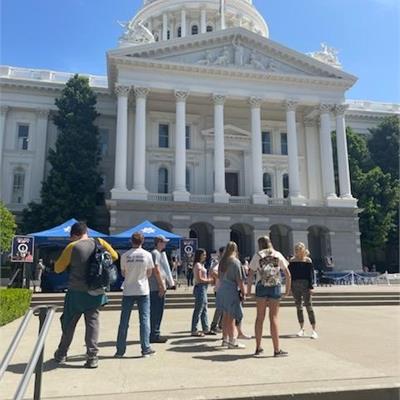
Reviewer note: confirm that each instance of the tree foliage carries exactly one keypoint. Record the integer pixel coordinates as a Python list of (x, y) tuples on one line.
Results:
[(7, 228), (71, 187)]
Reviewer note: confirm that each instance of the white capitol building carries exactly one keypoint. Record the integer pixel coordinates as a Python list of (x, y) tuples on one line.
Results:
[(204, 121)]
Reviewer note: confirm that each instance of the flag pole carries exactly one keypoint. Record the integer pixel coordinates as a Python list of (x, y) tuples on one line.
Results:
[(222, 12)]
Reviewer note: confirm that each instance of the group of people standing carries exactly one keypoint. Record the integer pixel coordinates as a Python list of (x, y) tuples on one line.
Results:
[(148, 275), (233, 284)]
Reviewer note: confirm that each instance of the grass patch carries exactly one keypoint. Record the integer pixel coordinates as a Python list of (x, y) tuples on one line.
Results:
[(13, 304)]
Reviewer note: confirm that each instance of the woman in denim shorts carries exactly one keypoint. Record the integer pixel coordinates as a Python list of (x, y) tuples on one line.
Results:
[(268, 264)]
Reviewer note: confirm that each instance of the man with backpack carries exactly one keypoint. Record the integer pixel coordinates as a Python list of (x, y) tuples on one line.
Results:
[(82, 256)]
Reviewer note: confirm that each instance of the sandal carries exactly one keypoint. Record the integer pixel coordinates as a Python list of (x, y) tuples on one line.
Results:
[(197, 334)]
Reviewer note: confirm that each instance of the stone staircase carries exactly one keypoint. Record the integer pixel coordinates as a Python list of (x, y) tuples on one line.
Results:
[(183, 299)]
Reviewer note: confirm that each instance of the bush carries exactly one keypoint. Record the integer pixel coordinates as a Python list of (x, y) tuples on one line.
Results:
[(13, 304)]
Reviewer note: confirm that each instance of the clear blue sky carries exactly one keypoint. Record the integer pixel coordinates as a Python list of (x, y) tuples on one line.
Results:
[(73, 35)]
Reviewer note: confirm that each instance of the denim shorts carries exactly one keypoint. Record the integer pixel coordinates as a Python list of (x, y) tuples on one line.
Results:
[(268, 292)]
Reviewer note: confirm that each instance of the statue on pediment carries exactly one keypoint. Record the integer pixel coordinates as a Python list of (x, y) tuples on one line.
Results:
[(135, 33), (208, 60), (256, 62), (327, 55), (224, 58), (239, 52)]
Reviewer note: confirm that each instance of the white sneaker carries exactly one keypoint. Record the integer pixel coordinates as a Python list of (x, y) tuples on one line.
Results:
[(225, 343), (236, 345), (314, 335), (300, 333)]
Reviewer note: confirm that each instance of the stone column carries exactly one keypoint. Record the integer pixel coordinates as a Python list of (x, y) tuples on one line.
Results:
[(180, 193), (3, 120), (343, 157), (256, 152), (165, 27), (221, 237), (183, 22), (328, 177), (203, 20), (293, 153), (299, 236), (121, 145), (139, 162), (40, 151), (220, 195)]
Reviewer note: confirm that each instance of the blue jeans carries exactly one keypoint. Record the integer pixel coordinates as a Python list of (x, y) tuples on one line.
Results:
[(157, 304), (200, 307), (143, 303)]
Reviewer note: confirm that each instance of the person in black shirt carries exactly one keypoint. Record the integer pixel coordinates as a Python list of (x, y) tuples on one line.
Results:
[(302, 271)]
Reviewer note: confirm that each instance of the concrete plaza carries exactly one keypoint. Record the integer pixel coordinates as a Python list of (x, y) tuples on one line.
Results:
[(358, 350)]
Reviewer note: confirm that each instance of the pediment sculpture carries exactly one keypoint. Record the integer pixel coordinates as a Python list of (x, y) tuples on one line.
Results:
[(135, 34)]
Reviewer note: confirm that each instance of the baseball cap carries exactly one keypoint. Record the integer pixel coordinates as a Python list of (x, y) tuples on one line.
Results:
[(162, 238)]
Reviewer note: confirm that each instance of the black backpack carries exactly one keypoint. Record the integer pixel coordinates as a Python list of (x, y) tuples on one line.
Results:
[(101, 271)]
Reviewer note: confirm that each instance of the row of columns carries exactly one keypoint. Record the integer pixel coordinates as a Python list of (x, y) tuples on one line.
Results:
[(220, 195)]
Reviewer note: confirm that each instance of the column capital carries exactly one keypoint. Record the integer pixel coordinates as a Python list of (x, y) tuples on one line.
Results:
[(141, 92), (291, 105), (255, 102), (4, 109), (181, 95), (340, 109), (218, 99), (122, 90), (325, 108), (42, 112)]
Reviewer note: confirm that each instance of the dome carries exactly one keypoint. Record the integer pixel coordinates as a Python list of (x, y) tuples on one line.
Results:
[(160, 20)]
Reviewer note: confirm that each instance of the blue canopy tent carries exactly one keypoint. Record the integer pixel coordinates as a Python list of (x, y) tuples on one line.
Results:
[(51, 241), (59, 235), (149, 231)]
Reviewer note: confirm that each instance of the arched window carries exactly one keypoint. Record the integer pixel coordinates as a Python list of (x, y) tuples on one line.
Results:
[(188, 180), (285, 182), (18, 186), (168, 34), (163, 180), (209, 28), (267, 184), (195, 29), (179, 32)]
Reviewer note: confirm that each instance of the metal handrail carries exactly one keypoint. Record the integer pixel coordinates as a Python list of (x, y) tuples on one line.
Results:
[(46, 315)]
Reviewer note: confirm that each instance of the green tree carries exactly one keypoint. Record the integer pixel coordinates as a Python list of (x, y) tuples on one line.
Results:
[(8, 228), (384, 145), (71, 187)]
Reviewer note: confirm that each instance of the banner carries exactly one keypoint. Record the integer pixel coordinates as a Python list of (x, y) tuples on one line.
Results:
[(22, 249), (188, 248)]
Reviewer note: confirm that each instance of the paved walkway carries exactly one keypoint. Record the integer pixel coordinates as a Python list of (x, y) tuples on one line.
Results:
[(358, 348)]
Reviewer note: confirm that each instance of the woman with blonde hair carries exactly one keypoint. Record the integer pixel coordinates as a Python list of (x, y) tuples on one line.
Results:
[(268, 264), (302, 271), (228, 300)]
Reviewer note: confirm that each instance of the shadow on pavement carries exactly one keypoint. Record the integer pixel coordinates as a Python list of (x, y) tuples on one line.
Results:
[(194, 340), (227, 357), (201, 348), (113, 343)]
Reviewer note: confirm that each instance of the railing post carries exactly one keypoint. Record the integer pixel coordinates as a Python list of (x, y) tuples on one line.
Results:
[(39, 366), (352, 278)]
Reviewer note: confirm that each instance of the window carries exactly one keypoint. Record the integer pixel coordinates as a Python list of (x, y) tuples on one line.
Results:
[(103, 141), (163, 135), (23, 136), (267, 184), (156, 36), (284, 145), (179, 33), (188, 141), (163, 180), (18, 186), (168, 34), (195, 29), (209, 28), (285, 182), (266, 143), (188, 182)]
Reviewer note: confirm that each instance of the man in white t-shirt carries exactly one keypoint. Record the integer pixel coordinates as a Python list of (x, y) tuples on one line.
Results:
[(136, 267)]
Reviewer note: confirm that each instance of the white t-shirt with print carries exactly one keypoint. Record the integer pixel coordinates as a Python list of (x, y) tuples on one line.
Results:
[(134, 265), (269, 269)]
